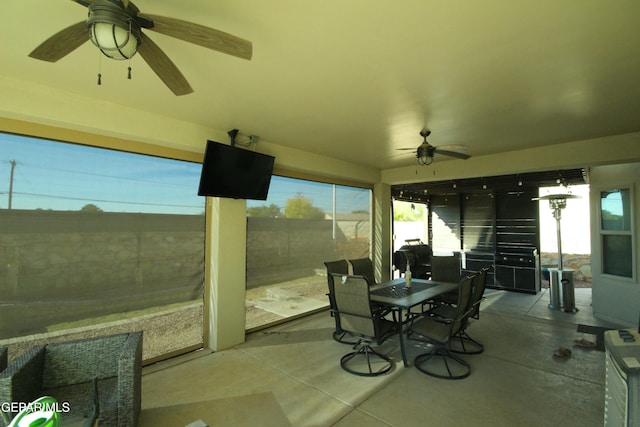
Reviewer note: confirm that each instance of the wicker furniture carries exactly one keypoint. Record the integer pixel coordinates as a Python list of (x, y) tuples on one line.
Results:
[(67, 370), (4, 358)]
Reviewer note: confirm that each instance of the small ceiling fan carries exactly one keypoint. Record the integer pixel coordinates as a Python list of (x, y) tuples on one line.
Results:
[(115, 27), (426, 151)]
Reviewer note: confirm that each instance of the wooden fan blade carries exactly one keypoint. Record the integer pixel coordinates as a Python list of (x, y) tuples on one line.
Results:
[(62, 43), (404, 149), (84, 3), (202, 36), (163, 67), (452, 154)]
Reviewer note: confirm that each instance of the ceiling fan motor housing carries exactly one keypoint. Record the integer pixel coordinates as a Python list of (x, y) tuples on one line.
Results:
[(114, 30), (425, 153)]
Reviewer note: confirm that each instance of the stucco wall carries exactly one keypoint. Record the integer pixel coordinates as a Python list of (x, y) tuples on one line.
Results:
[(615, 299)]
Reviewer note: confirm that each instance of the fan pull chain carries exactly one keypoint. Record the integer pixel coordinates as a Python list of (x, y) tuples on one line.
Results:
[(129, 68), (99, 69)]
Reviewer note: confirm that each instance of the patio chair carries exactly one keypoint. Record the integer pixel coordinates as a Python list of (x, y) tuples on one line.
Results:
[(446, 268), (437, 332), (362, 321), (464, 344), (363, 267), (69, 372), (337, 267)]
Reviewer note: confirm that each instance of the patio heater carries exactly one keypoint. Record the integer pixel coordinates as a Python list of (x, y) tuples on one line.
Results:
[(561, 289)]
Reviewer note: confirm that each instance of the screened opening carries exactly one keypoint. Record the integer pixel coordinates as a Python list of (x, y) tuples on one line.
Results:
[(301, 225), (97, 241)]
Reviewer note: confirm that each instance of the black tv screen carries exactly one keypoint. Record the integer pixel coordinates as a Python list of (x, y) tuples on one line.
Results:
[(235, 172)]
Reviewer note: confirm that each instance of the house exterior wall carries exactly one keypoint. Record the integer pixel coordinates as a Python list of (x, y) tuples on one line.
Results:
[(615, 299)]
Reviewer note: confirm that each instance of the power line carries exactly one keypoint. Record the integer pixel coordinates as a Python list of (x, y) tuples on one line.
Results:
[(51, 196)]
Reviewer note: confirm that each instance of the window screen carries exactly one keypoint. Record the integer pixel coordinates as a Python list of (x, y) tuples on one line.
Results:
[(301, 225), (97, 241)]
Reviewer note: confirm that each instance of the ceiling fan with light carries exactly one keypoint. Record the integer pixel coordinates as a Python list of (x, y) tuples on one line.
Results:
[(425, 152), (115, 27)]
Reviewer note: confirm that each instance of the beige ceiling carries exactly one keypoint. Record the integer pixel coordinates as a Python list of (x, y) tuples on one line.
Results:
[(358, 79)]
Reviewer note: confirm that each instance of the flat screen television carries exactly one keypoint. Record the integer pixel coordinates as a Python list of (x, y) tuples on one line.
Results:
[(235, 173)]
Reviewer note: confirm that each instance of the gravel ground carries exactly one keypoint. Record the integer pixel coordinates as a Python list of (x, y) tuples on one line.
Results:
[(164, 332)]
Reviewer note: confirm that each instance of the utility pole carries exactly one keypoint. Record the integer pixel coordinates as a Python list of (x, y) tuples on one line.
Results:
[(13, 166)]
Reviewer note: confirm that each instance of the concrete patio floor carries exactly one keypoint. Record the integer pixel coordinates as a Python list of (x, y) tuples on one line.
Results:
[(290, 373)]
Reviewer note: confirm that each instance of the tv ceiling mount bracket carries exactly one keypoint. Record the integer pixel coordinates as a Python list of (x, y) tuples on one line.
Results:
[(233, 133)]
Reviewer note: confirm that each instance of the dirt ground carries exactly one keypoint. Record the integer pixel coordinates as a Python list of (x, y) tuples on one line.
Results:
[(165, 332), (311, 287)]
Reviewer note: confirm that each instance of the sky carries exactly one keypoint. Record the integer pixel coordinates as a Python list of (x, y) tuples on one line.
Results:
[(65, 176), (348, 199), (575, 222)]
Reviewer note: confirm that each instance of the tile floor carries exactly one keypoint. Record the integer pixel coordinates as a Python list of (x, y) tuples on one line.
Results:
[(516, 381)]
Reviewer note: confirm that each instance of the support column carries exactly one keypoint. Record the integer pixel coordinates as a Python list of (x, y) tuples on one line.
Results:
[(225, 277), (382, 231)]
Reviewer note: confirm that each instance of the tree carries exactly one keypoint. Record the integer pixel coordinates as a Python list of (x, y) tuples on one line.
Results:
[(403, 211), (90, 208), (302, 207), (264, 211)]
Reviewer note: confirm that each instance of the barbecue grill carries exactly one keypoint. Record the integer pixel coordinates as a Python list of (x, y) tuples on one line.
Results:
[(418, 255)]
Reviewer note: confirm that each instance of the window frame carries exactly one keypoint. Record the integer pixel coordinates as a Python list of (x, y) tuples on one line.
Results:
[(602, 233)]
